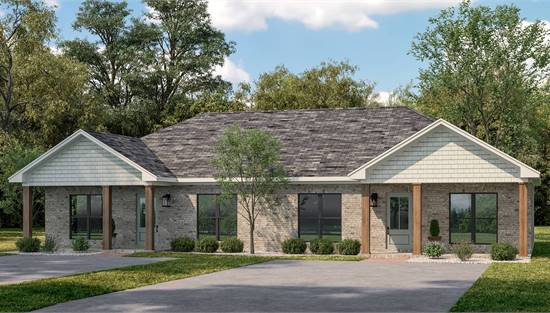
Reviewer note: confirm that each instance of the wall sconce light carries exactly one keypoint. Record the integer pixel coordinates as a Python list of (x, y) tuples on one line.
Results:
[(166, 200), (374, 199)]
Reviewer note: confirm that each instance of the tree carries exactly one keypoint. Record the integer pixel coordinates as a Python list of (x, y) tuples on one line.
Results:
[(330, 85), (247, 164)]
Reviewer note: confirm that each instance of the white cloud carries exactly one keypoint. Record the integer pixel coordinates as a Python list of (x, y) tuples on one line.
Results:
[(232, 72), (351, 15), (52, 3), (384, 98), (545, 24)]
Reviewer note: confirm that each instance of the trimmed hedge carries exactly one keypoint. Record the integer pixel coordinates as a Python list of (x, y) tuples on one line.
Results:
[(349, 247), (28, 244), (208, 245), (503, 252), (434, 250), (321, 246), (182, 244), (463, 251), (80, 244), (232, 245), (294, 246)]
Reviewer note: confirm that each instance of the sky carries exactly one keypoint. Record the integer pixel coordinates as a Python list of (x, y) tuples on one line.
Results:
[(375, 35)]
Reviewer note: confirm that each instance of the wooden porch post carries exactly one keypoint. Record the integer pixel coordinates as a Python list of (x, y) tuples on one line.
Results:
[(27, 211), (149, 218), (107, 217), (365, 220), (523, 228), (417, 219)]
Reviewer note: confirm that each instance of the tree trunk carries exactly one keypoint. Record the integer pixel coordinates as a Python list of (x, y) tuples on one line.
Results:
[(251, 239)]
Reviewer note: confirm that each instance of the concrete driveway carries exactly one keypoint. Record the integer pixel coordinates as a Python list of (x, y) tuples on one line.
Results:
[(18, 268), (298, 286)]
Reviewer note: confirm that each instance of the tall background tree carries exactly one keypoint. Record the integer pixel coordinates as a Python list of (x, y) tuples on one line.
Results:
[(486, 71)]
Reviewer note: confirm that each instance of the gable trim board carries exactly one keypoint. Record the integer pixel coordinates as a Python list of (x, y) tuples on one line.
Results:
[(525, 172), (19, 176)]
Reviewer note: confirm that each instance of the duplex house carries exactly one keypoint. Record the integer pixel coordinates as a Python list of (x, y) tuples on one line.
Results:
[(379, 175)]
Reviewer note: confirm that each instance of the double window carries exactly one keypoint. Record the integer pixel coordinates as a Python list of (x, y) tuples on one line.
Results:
[(320, 216), (473, 218), (217, 217), (86, 213)]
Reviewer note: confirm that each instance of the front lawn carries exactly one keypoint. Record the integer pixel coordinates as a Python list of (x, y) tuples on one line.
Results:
[(8, 237), (306, 257), (37, 294), (513, 286)]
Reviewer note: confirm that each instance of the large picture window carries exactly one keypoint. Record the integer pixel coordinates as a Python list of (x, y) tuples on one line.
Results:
[(217, 217), (320, 216), (473, 218), (86, 215)]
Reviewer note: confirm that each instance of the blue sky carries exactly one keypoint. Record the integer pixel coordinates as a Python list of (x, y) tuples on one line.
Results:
[(375, 35)]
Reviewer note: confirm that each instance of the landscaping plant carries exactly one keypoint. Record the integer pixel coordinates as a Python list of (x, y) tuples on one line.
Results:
[(434, 230), (182, 244), (349, 247), (321, 246), (294, 246), (208, 245), (80, 244), (463, 251), (434, 250), (28, 244), (50, 245), (232, 245), (503, 251)]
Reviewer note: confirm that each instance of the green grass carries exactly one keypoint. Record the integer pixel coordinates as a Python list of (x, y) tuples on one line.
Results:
[(330, 257), (513, 286), (8, 237), (37, 294)]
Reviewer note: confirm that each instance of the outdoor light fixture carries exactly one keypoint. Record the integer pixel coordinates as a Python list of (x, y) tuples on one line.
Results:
[(166, 200), (374, 199)]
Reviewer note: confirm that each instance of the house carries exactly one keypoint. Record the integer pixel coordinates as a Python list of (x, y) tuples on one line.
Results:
[(379, 175)]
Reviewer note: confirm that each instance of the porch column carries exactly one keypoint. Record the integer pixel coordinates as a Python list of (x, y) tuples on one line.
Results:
[(149, 218), (523, 228), (365, 220), (27, 211), (107, 217), (417, 219)]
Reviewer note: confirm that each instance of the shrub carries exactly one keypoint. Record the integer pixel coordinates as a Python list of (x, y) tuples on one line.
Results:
[(503, 252), (208, 245), (232, 245), (434, 228), (321, 246), (434, 250), (28, 244), (50, 245), (80, 244), (349, 247), (294, 246), (182, 244), (463, 251)]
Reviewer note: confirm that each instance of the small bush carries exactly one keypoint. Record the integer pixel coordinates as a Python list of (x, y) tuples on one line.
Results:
[(349, 247), (434, 228), (321, 246), (50, 245), (463, 251), (503, 252), (208, 245), (434, 250), (182, 244), (28, 244), (294, 246), (80, 244), (232, 245)]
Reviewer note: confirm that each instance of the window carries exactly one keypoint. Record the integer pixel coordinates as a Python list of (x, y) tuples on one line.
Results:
[(320, 216), (86, 214), (216, 217), (473, 218)]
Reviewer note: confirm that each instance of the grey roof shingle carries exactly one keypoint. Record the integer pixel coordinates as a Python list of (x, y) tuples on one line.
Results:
[(319, 142)]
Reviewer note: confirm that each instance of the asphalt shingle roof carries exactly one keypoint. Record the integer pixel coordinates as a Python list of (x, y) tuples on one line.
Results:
[(320, 142)]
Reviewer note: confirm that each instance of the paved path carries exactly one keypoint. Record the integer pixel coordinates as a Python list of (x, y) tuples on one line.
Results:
[(18, 268), (298, 286)]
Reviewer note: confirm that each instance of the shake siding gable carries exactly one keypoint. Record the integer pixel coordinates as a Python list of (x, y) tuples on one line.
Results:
[(83, 163), (443, 156)]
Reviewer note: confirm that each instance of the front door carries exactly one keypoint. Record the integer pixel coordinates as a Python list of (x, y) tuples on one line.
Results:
[(399, 227), (140, 221)]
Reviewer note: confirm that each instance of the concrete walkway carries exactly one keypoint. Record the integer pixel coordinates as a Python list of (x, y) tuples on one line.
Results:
[(18, 268), (298, 286)]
